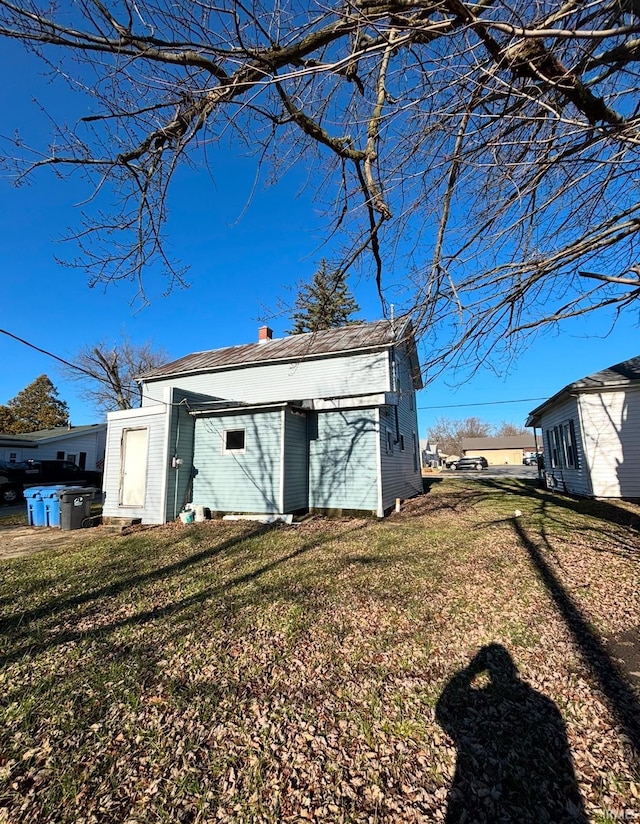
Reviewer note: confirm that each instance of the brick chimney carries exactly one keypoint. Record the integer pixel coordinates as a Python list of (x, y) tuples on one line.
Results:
[(264, 334)]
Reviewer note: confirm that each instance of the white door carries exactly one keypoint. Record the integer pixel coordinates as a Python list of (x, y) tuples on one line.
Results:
[(133, 476)]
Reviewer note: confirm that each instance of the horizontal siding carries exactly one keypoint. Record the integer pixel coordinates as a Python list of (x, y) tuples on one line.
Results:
[(238, 482), (611, 422), (156, 423), (401, 472), (93, 443), (342, 460), (181, 433), (322, 378), (296, 464), (574, 481)]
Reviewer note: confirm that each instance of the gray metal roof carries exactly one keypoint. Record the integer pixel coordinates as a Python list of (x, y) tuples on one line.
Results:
[(618, 376), (360, 336)]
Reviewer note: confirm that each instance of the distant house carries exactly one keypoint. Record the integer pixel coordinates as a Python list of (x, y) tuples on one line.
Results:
[(501, 450), (83, 445), (430, 453), (318, 422), (591, 432)]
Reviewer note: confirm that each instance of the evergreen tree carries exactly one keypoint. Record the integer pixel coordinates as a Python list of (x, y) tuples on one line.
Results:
[(36, 407), (325, 303)]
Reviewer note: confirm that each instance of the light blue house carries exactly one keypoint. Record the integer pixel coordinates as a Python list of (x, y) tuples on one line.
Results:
[(321, 422)]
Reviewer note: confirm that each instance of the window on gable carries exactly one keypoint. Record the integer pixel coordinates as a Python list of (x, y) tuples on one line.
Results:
[(233, 440)]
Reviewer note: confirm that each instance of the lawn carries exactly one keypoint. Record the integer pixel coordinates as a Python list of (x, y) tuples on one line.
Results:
[(333, 671)]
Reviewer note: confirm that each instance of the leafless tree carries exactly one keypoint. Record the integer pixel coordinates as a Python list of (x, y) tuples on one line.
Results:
[(487, 151), (107, 372)]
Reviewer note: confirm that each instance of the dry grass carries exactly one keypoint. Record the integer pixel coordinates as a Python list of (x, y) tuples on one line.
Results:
[(227, 672)]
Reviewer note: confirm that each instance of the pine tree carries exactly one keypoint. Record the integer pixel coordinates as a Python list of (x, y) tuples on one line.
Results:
[(37, 406), (325, 303)]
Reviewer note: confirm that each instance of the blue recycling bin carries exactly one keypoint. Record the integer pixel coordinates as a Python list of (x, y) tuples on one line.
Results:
[(51, 503), (35, 506)]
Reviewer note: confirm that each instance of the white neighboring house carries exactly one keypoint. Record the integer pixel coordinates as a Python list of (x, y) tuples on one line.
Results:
[(591, 433), (83, 445)]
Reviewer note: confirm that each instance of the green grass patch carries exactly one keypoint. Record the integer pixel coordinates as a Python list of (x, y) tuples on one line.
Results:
[(232, 672)]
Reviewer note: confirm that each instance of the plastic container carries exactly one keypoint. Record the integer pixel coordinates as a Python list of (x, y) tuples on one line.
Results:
[(51, 503), (75, 506), (35, 506), (187, 517)]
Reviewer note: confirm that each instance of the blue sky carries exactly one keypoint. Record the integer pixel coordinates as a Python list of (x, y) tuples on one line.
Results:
[(241, 261)]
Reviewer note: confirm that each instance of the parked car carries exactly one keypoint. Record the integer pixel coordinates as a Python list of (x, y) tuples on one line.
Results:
[(15, 477), (475, 462), (532, 460)]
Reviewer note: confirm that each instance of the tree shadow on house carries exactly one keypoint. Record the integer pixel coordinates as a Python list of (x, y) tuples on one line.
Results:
[(513, 758)]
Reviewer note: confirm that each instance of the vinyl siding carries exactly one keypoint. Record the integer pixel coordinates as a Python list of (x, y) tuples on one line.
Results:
[(574, 481), (238, 482), (611, 422), (180, 445), (318, 378), (342, 460), (401, 470), (155, 421), (296, 464), (93, 443)]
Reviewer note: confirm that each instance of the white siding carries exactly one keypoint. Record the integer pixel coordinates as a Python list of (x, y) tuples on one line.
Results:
[(611, 422), (316, 378), (93, 443), (155, 419), (574, 481)]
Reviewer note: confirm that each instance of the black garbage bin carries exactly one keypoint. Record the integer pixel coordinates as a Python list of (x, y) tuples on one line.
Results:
[(75, 506)]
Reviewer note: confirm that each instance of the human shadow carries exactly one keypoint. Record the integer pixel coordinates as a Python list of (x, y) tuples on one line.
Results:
[(513, 758)]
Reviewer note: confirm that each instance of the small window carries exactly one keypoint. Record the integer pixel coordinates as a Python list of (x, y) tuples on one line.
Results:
[(82, 460), (59, 456), (389, 442), (402, 443), (569, 445), (13, 457), (233, 440)]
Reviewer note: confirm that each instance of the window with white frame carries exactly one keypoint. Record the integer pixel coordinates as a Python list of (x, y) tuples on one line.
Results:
[(233, 441), (570, 452), (562, 446)]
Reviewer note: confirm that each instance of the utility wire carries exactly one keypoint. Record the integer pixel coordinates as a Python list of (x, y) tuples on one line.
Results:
[(482, 403), (49, 354)]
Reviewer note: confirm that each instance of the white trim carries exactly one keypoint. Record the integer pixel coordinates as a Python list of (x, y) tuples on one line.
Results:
[(353, 402), (282, 462), (165, 463), (141, 412), (588, 467), (380, 511), (225, 450)]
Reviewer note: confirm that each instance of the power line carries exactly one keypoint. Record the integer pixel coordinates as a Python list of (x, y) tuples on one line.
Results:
[(45, 352), (482, 403)]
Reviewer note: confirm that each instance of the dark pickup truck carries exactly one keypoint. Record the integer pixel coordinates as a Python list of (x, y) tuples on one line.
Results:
[(15, 477)]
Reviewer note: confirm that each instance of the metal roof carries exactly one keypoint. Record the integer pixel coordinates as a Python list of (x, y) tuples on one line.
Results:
[(620, 375), (360, 336)]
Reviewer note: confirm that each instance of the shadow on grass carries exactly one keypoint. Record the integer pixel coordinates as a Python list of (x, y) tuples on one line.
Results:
[(182, 605), (513, 758), (618, 692)]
